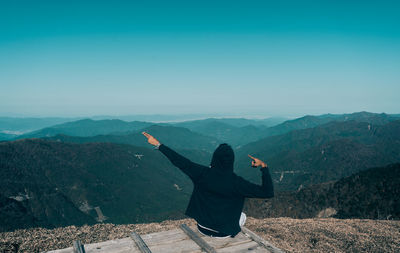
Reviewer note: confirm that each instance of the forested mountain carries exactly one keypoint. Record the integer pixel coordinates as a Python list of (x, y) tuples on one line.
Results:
[(313, 121), (225, 132), (369, 194), (89, 171), (61, 183), (88, 127), (236, 131), (323, 153), (235, 122), (239, 132), (175, 137)]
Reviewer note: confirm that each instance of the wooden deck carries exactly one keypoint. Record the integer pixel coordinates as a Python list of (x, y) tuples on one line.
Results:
[(183, 240)]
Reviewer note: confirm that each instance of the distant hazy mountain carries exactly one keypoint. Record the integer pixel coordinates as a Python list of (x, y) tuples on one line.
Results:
[(24, 125), (225, 132), (62, 183), (5, 137), (327, 152), (236, 122), (88, 127), (156, 118), (369, 194), (235, 131), (238, 132), (175, 137), (20, 125), (313, 121)]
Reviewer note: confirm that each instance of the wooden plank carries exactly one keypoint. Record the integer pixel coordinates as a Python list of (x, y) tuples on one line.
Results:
[(261, 241), (203, 245), (176, 240), (140, 243), (78, 247), (181, 240), (177, 247), (124, 245), (251, 246), (66, 250), (218, 243), (165, 237)]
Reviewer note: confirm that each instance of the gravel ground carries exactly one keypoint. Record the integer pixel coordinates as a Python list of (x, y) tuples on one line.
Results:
[(291, 235), (329, 235)]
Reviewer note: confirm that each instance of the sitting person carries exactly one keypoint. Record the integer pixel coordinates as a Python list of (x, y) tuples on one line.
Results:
[(218, 195)]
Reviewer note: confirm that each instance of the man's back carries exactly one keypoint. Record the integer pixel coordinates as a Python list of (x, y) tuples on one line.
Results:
[(215, 203), (218, 195)]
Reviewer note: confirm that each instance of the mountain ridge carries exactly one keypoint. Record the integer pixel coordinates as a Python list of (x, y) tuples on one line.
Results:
[(336, 146), (368, 194), (87, 127), (55, 179)]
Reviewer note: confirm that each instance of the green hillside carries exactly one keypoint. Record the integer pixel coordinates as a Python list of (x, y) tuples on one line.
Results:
[(87, 127), (369, 194), (61, 183), (314, 121), (239, 132), (176, 137), (323, 153)]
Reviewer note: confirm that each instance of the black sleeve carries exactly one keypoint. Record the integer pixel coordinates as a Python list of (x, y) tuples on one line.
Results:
[(250, 190), (193, 170)]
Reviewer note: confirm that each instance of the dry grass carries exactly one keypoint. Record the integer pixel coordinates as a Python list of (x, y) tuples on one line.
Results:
[(292, 235), (329, 235)]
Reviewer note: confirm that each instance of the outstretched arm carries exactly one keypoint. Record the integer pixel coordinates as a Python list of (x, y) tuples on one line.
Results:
[(250, 190), (193, 170)]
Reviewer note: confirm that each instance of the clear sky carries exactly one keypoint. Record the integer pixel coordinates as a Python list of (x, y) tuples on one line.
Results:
[(268, 58)]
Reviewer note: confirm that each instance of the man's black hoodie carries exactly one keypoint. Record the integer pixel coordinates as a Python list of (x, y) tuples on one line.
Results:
[(218, 195)]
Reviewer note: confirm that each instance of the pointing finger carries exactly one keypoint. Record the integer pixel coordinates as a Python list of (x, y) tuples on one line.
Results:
[(252, 157), (146, 134)]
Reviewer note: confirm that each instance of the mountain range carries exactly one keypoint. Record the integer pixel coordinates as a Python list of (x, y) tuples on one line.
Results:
[(176, 137), (323, 153), (87, 127), (89, 171), (12, 128), (234, 131)]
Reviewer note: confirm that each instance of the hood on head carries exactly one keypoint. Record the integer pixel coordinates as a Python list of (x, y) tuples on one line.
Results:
[(223, 158)]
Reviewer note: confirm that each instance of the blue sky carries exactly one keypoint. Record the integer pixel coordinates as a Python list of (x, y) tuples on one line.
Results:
[(244, 58)]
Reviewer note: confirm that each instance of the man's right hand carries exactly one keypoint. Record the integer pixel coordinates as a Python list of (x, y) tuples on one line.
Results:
[(257, 162)]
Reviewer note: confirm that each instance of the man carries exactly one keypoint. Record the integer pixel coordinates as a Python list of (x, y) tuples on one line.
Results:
[(218, 195)]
